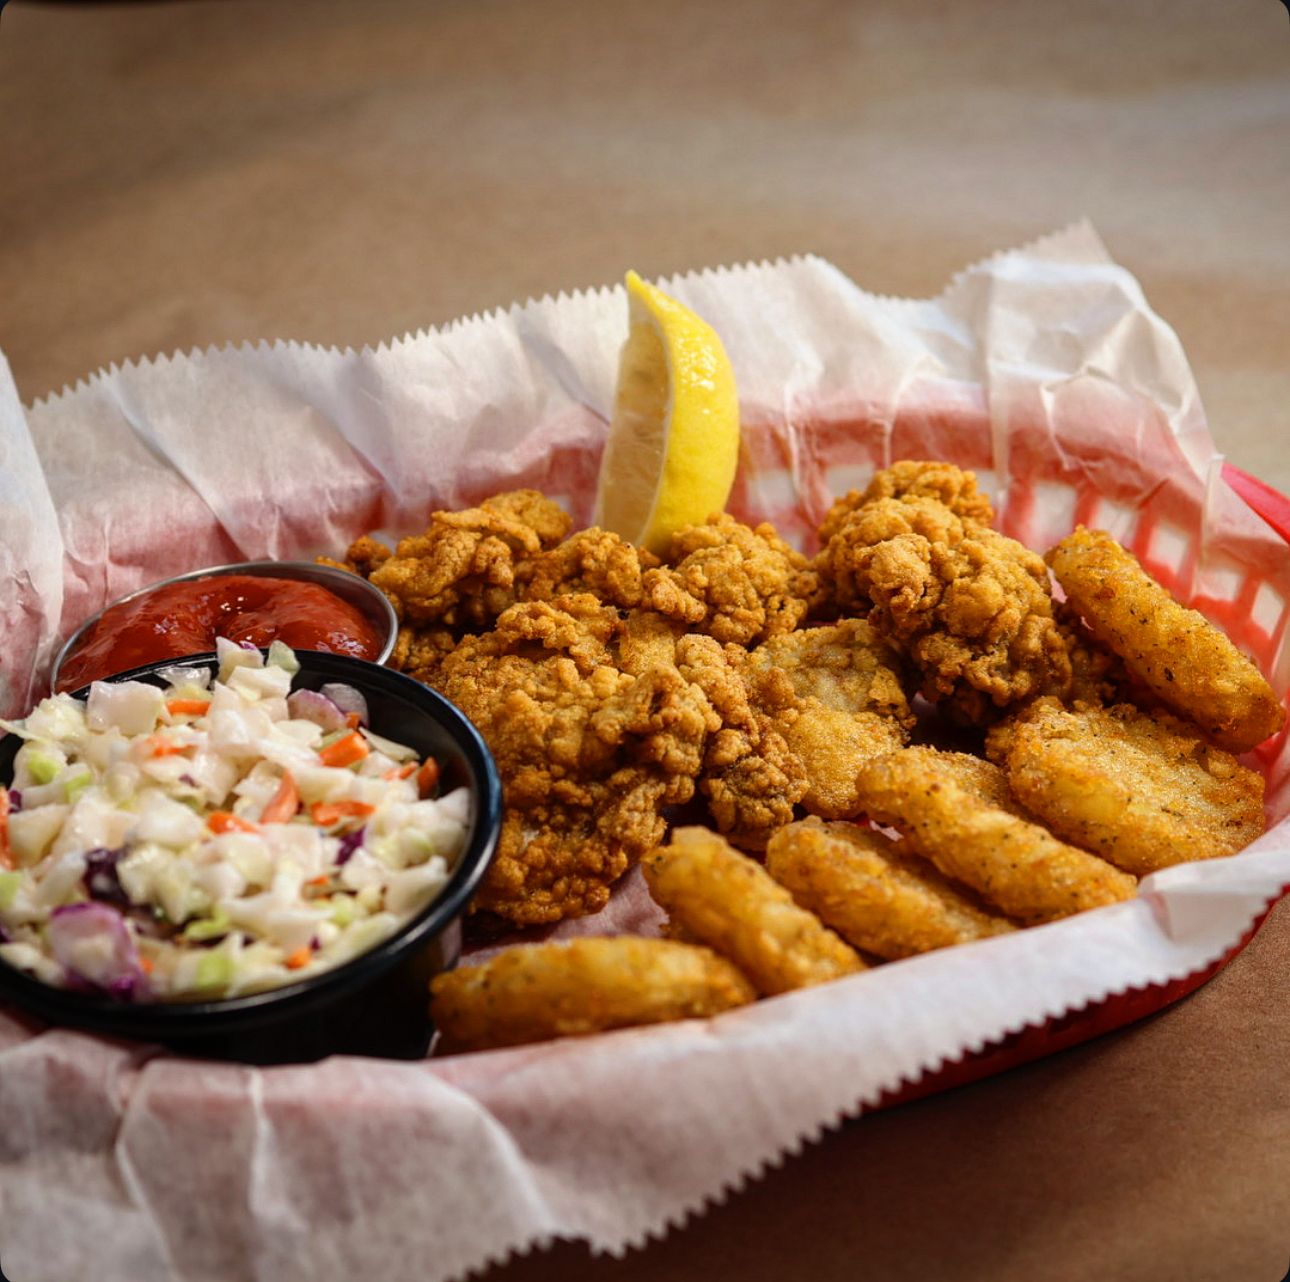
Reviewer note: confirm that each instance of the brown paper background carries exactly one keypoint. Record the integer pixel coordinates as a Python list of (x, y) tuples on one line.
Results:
[(183, 174)]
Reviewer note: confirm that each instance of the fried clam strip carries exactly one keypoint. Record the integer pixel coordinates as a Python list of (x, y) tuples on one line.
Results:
[(589, 754), (728, 901), (732, 582), (1145, 791), (856, 881), (1016, 866), (970, 608), (835, 693), (1176, 652), (460, 573), (535, 992)]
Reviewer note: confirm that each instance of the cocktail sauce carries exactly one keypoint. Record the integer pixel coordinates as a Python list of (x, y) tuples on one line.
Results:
[(179, 619)]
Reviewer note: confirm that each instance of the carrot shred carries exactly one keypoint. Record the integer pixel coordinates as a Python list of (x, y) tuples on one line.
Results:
[(284, 803), (145, 965), (6, 855), (326, 813), (345, 752), (401, 772), (301, 957), (223, 821), (318, 881), (187, 707), (159, 745), (427, 776), (353, 720)]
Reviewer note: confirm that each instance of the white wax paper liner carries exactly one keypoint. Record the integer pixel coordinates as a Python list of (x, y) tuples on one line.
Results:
[(1043, 368)]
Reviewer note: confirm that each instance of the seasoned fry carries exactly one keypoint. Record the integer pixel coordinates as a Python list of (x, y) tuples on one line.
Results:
[(1176, 652), (534, 992), (1143, 791), (729, 902), (1019, 867), (856, 880), (983, 779)]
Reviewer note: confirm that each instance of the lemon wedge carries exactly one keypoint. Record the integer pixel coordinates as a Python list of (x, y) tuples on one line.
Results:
[(674, 438)]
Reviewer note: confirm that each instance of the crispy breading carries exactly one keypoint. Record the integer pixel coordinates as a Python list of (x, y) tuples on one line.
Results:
[(971, 608), (461, 572), (984, 779), (857, 881), (917, 479), (1017, 866), (419, 651), (729, 902), (589, 754), (1097, 675), (1143, 790), (835, 693), (592, 560), (732, 582), (751, 777), (535, 992), (1176, 652), (363, 556)]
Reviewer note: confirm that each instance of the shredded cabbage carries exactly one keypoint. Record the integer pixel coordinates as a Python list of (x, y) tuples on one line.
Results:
[(146, 867)]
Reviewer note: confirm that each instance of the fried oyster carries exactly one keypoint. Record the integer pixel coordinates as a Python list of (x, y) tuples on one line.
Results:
[(589, 754), (970, 608)]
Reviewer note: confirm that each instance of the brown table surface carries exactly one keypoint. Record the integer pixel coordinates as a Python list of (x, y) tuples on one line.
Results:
[(191, 173)]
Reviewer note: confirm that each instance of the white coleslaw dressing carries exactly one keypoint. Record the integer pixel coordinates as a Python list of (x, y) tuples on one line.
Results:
[(209, 840)]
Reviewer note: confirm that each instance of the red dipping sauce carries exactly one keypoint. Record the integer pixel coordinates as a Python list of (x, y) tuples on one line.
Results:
[(180, 619)]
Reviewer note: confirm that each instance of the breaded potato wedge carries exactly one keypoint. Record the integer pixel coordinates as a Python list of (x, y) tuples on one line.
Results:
[(857, 881), (534, 992), (730, 902), (1175, 652), (1143, 790), (1015, 865), (982, 778)]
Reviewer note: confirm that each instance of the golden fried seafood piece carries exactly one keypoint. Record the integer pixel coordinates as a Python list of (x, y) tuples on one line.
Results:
[(751, 777), (733, 582), (646, 640), (856, 881), (363, 556), (535, 992), (918, 479), (588, 754), (419, 651), (1143, 790), (1097, 675), (461, 572), (835, 694), (593, 560), (1017, 866), (970, 608), (729, 902), (1177, 653)]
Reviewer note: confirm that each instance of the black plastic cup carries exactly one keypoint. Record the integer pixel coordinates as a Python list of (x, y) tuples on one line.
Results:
[(378, 1002)]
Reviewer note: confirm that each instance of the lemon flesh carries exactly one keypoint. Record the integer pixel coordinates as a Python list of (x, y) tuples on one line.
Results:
[(673, 442)]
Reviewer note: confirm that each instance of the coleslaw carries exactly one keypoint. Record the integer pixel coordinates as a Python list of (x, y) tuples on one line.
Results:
[(211, 839)]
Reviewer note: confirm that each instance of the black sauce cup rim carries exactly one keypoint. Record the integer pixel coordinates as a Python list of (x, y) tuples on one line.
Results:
[(140, 1020)]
